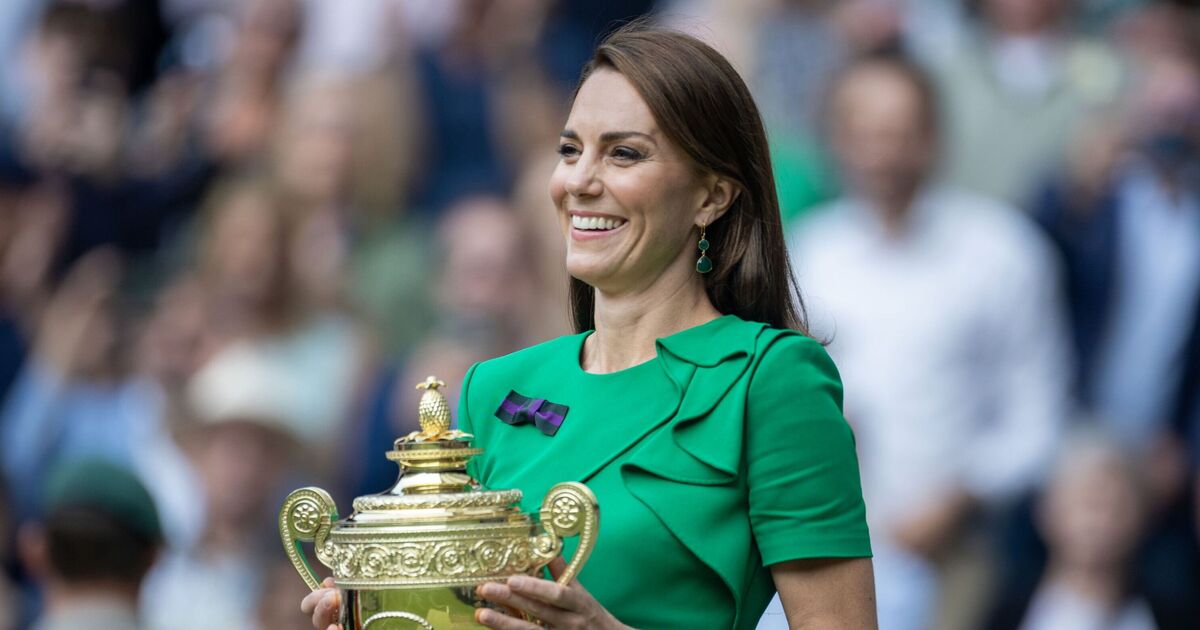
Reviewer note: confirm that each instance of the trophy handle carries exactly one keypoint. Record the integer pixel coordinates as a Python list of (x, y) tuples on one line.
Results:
[(307, 515), (570, 509)]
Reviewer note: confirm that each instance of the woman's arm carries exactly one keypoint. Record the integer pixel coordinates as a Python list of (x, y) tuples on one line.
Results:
[(827, 593)]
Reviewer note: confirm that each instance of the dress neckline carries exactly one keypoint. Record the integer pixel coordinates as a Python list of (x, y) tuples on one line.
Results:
[(577, 354)]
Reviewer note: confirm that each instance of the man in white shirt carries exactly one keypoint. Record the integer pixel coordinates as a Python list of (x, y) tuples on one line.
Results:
[(942, 312)]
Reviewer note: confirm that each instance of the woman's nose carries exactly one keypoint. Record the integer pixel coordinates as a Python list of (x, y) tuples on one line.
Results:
[(582, 180)]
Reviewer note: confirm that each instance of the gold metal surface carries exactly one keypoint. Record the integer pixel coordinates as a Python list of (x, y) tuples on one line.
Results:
[(412, 556)]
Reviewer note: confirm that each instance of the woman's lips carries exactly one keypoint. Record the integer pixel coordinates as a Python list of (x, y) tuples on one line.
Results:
[(591, 235), (590, 225)]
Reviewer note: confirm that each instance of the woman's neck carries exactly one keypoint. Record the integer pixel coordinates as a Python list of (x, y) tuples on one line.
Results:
[(627, 325)]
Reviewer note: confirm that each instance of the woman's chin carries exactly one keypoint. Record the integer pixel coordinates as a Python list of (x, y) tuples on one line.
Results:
[(592, 273)]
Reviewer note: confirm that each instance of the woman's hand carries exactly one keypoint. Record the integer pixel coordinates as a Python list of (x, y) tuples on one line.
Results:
[(557, 606), (323, 605)]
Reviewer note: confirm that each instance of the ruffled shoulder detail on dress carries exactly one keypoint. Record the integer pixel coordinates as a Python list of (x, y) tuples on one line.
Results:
[(691, 474)]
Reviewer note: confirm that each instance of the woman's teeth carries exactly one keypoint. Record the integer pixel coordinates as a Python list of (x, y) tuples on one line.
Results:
[(595, 223)]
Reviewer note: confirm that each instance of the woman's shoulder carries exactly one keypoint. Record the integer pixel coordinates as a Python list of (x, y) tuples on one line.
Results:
[(782, 348), (791, 370), (789, 361)]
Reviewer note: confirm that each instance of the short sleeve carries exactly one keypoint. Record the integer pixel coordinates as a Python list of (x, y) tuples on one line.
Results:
[(802, 470)]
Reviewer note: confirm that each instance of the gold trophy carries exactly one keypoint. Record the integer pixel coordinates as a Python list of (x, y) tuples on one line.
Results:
[(411, 557)]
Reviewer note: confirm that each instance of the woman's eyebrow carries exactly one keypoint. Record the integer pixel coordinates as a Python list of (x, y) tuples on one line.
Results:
[(610, 136)]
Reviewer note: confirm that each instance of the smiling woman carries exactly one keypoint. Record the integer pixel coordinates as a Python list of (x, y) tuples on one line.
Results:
[(694, 405), (673, 106)]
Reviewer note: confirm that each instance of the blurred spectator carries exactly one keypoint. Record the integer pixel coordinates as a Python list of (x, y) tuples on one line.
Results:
[(943, 319), (246, 92), (1016, 93), (34, 228), (119, 38), (800, 46), (92, 548), (353, 37), (1129, 228), (571, 30), (492, 300), (277, 354), (1160, 30), (341, 163), (242, 459), (459, 88), (1133, 252), (1091, 517), (80, 396), (484, 285), (85, 73), (465, 80)]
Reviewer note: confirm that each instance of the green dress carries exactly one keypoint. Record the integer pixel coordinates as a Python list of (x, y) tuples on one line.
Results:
[(725, 454)]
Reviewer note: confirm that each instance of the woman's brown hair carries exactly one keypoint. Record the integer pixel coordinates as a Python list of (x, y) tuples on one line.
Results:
[(701, 103)]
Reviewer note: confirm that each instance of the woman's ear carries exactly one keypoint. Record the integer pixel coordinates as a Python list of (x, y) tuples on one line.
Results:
[(720, 193)]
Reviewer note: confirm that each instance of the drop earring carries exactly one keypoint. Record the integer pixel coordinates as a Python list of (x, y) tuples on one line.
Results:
[(704, 263)]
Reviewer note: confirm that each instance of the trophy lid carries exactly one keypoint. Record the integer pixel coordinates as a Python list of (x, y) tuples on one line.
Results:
[(433, 485)]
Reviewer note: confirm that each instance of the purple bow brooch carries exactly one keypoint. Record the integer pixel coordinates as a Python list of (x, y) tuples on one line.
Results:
[(543, 414)]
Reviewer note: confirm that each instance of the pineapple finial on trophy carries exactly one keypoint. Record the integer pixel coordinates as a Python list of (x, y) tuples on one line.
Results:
[(433, 414)]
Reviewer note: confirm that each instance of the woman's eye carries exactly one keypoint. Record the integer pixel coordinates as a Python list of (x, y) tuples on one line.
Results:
[(567, 150), (626, 153)]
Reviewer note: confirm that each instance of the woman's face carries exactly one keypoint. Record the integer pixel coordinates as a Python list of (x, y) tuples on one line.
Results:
[(628, 199)]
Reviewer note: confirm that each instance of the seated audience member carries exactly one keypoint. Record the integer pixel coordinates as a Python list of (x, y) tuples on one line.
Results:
[(92, 548), (1091, 518)]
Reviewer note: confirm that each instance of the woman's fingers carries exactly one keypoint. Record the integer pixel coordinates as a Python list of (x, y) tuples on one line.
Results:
[(502, 594), (322, 604), (309, 603), (327, 610), (500, 621), (546, 591)]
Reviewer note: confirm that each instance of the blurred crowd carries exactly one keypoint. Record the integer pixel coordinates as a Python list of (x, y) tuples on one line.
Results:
[(235, 233)]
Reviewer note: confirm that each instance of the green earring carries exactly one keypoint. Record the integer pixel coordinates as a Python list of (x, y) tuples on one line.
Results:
[(704, 264)]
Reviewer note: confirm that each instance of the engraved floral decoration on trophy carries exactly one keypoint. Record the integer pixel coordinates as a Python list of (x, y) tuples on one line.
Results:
[(306, 517), (565, 512)]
